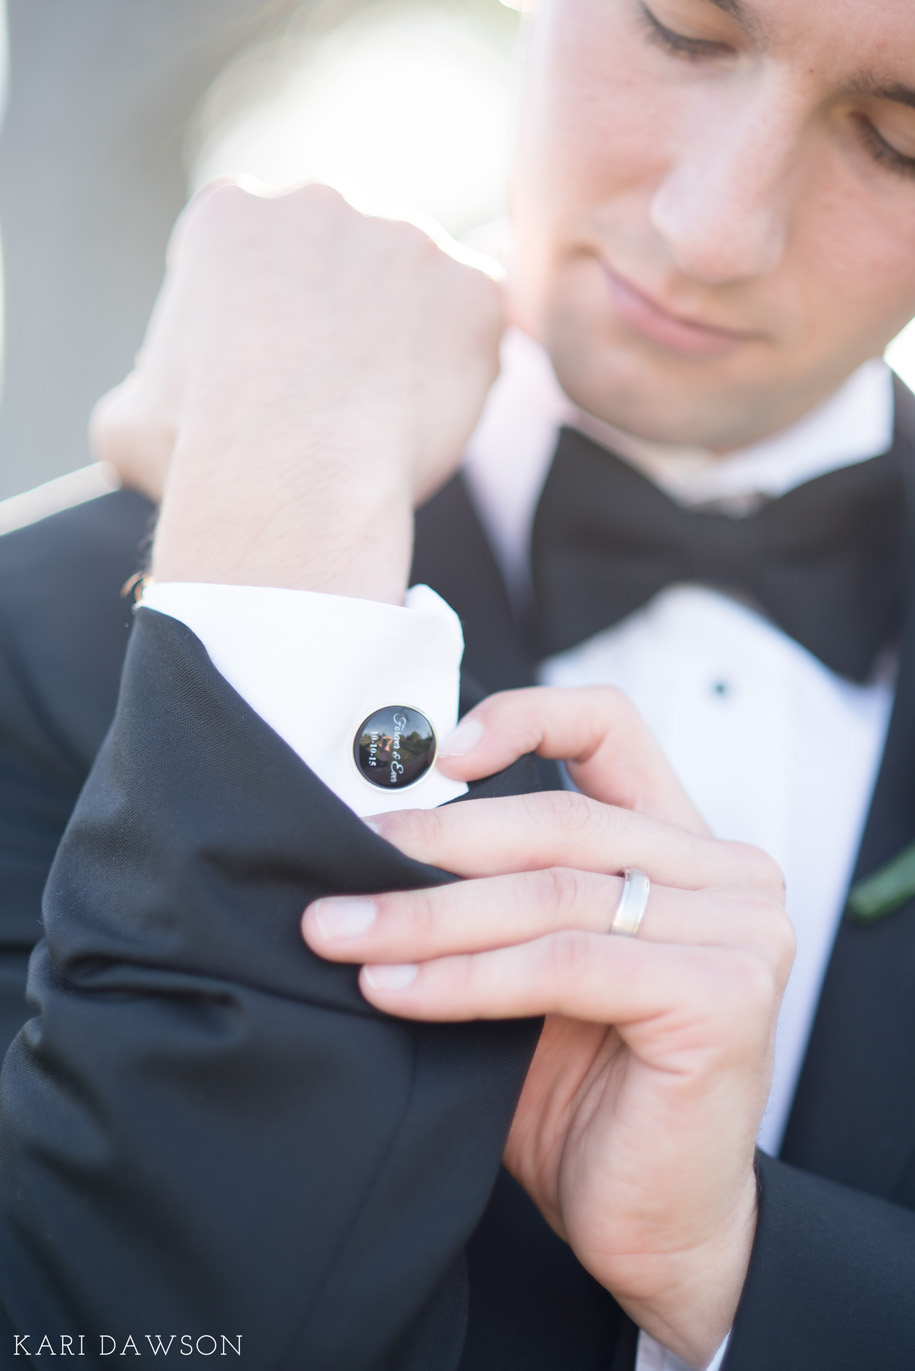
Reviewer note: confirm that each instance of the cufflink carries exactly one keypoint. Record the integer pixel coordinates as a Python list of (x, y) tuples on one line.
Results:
[(394, 747)]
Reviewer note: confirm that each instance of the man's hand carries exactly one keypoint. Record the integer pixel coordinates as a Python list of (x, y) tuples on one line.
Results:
[(309, 376), (636, 1128)]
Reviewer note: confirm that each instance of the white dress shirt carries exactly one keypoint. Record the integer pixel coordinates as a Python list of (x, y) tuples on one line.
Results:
[(772, 746)]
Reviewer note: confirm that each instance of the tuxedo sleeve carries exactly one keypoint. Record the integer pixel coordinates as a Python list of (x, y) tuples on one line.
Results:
[(205, 1129), (831, 1284)]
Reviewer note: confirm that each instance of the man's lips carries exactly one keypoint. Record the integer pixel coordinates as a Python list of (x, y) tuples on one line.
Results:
[(652, 320)]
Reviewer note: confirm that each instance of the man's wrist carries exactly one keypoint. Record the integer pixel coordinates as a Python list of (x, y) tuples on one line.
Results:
[(701, 1291), (357, 545)]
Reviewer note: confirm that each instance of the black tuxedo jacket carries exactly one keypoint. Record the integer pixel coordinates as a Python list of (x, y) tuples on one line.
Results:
[(206, 1131)]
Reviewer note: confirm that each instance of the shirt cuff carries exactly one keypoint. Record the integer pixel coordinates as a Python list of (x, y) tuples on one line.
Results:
[(651, 1356), (316, 666)]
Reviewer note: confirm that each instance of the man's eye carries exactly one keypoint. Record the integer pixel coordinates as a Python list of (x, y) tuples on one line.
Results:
[(678, 43), (883, 152)]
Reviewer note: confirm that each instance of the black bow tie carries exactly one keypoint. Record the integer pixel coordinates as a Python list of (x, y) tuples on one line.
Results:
[(827, 562)]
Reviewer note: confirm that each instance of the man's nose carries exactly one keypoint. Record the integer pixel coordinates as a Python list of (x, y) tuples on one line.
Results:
[(724, 207)]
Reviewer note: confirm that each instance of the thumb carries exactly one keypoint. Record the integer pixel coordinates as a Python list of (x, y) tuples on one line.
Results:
[(134, 435)]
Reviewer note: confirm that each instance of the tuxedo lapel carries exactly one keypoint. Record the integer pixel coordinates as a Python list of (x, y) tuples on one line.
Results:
[(453, 556), (853, 1118)]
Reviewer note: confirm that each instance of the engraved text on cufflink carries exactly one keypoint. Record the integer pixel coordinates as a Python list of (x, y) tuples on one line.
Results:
[(394, 747)]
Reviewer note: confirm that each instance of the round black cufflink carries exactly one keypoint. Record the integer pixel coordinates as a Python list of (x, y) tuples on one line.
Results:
[(394, 747)]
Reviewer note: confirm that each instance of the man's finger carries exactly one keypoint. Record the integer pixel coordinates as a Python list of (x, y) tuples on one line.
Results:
[(561, 828), (500, 911), (591, 978), (611, 753)]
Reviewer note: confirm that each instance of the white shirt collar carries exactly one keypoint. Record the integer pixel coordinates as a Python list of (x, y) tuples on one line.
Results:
[(512, 446)]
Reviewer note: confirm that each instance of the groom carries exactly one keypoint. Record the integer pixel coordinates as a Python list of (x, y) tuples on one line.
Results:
[(712, 243)]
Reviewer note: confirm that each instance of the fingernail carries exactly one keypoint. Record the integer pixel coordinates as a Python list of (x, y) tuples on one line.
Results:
[(339, 919), (373, 824), (462, 740), (391, 976)]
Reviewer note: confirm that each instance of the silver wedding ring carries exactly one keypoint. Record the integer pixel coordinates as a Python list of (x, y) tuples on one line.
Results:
[(633, 900)]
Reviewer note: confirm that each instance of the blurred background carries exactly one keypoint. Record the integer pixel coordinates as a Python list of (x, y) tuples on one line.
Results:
[(117, 109)]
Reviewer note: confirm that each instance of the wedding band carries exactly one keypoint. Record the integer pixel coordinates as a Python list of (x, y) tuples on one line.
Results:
[(633, 900)]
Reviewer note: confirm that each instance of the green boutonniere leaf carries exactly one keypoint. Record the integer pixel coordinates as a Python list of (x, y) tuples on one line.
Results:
[(885, 889)]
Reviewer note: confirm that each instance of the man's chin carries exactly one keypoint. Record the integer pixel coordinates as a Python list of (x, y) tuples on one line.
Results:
[(659, 399)]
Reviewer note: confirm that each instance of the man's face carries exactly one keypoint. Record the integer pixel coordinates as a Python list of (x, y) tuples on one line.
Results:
[(714, 204)]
